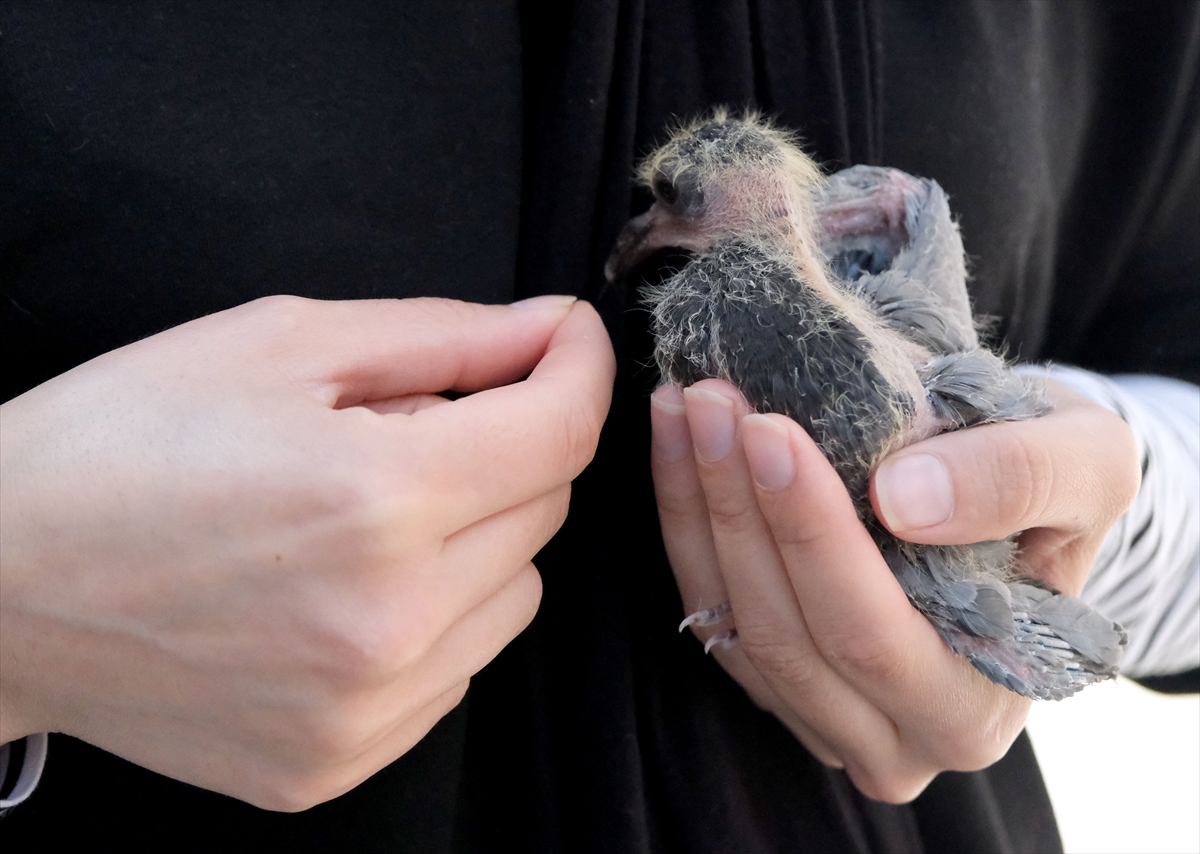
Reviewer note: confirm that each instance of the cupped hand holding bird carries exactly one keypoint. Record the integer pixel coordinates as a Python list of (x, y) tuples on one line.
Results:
[(753, 514)]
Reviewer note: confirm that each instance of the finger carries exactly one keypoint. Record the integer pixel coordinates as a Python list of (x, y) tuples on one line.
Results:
[(404, 614), (682, 513), (416, 674), (465, 460), (772, 626), (403, 736), (858, 616), (1075, 469), (303, 787), (482, 558), (736, 664), (468, 645), (349, 351), (853, 606), (687, 534)]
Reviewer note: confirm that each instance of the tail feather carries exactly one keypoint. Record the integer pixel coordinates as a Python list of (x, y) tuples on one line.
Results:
[(1019, 634), (1097, 638)]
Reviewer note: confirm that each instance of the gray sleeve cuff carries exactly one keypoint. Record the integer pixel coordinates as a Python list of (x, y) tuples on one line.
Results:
[(21, 764), (1147, 574)]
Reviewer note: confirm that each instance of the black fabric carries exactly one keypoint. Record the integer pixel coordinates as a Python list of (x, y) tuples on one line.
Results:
[(164, 160), (1187, 682)]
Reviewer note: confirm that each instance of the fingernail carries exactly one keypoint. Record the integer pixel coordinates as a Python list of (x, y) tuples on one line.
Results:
[(545, 303), (670, 436), (710, 420), (768, 451), (914, 492)]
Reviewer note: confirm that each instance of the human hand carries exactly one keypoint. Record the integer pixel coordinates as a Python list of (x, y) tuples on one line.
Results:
[(753, 514), (257, 553)]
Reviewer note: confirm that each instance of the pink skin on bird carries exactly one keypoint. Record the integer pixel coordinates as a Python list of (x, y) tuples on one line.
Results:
[(750, 199)]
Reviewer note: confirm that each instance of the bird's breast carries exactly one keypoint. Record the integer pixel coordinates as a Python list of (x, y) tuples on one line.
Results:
[(743, 314)]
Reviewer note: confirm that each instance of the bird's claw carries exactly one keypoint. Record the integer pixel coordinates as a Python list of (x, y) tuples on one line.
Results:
[(707, 616), (710, 617), (724, 639)]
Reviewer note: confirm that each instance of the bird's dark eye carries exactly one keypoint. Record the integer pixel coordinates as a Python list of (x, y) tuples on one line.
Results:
[(666, 190)]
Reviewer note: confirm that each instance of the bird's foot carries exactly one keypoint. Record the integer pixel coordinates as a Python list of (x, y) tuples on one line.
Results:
[(710, 617), (725, 639)]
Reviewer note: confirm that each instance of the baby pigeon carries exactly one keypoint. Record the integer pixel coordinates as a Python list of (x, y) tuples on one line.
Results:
[(842, 303)]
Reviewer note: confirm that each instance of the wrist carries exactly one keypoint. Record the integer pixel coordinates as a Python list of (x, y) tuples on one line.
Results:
[(15, 722), (12, 720)]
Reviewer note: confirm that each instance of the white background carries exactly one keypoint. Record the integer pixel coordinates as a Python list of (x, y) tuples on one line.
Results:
[(1123, 768)]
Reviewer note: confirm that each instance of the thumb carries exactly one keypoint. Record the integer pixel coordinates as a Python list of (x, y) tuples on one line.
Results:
[(1075, 469)]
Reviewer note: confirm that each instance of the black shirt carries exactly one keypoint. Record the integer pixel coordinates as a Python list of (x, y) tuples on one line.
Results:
[(161, 161)]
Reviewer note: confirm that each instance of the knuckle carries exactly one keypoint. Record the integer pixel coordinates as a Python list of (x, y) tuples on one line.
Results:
[(776, 656), (311, 776), (821, 751), (891, 784), (791, 669), (333, 735), (284, 797), (986, 739), (455, 696), (528, 597), (679, 499), (332, 759), (976, 754), (867, 656), (792, 534), (385, 510), (281, 314), (440, 319), (357, 497), (1125, 478), (560, 507), (962, 748), (373, 639), (733, 517), (351, 662), (297, 792), (1023, 477), (580, 427), (967, 728), (392, 644), (397, 519), (436, 312), (551, 515), (375, 617)]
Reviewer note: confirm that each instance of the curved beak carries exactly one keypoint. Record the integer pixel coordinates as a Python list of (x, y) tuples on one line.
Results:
[(634, 244), (658, 228)]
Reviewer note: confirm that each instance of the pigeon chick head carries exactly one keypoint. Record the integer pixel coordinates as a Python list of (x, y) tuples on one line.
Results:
[(719, 177)]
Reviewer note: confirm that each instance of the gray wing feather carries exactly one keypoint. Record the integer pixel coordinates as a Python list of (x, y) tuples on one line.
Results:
[(912, 266), (1019, 634), (976, 387), (934, 257)]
